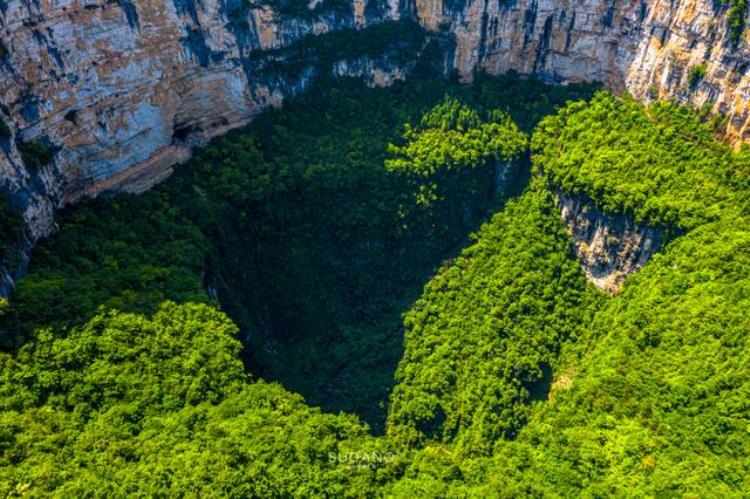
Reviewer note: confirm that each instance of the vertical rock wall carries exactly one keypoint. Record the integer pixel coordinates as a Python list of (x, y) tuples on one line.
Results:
[(646, 47), (123, 89)]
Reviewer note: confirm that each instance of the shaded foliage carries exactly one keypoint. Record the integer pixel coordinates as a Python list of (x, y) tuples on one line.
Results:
[(451, 141), (36, 154), (517, 379)]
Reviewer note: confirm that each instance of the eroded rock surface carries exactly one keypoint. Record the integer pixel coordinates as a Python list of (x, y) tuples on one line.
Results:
[(609, 247), (125, 88), (648, 47)]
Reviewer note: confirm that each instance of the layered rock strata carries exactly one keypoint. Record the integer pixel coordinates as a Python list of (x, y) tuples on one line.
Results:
[(123, 89)]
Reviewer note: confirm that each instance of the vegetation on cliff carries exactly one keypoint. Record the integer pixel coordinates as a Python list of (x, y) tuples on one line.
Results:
[(396, 40), (5, 131), (697, 74), (36, 154), (652, 395), (658, 165), (11, 227), (481, 341), (450, 144), (736, 20)]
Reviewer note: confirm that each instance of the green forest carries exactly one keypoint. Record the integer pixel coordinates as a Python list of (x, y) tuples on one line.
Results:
[(371, 292)]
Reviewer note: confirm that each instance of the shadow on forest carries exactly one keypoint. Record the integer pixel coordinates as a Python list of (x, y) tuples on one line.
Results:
[(313, 249), (320, 297), (318, 282)]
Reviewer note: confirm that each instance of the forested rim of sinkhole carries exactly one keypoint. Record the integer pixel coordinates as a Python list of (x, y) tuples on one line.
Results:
[(371, 292)]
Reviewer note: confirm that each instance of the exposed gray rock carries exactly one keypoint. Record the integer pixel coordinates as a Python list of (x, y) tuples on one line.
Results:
[(645, 47), (505, 173), (126, 88), (609, 247)]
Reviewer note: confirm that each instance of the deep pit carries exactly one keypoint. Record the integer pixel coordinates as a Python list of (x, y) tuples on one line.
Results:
[(296, 226)]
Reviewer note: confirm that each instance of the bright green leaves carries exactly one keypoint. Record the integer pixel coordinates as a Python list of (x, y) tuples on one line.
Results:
[(481, 339), (183, 354), (658, 165), (452, 137), (451, 114), (517, 378), (128, 404)]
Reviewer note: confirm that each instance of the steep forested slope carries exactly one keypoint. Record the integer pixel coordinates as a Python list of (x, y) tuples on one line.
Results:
[(657, 165), (481, 341), (660, 402), (653, 396), (128, 404)]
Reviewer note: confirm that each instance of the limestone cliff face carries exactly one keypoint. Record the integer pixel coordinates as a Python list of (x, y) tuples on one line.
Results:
[(125, 88), (647, 47), (124, 83), (609, 247)]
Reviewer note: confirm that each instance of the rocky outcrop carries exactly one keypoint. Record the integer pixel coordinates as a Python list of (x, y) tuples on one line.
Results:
[(609, 247), (505, 173), (126, 87), (123, 89), (372, 72)]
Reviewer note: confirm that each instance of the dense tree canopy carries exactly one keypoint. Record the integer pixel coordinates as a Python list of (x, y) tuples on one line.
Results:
[(450, 139), (453, 136), (659, 166), (481, 340), (161, 405), (136, 349), (652, 397)]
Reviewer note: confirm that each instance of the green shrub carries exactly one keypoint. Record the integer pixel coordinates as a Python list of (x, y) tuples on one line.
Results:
[(697, 74), (736, 20), (36, 154), (11, 226)]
